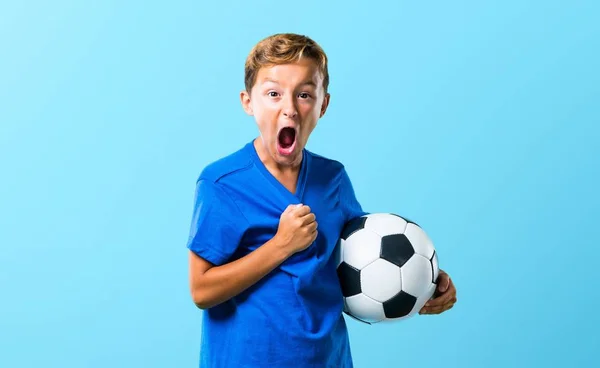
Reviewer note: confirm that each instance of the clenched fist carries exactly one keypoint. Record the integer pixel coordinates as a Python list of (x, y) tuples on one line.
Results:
[(297, 228)]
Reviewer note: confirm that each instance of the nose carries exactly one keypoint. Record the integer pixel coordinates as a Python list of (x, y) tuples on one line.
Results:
[(289, 108)]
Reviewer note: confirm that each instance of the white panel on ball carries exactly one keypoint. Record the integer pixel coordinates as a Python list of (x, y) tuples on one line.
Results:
[(436, 267), (416, 275), (365, 308), (362, 248), (421, 300), (385, 224), (419, 240), (380, 280)]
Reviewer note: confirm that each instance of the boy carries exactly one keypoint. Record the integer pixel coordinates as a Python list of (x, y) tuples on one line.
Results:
[(266, 221)]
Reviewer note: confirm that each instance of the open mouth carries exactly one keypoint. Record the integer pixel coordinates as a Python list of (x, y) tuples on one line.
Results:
[(286, 140)]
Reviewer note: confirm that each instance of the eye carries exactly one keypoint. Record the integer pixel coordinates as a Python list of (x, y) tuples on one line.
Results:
[(272, 94), (304, 95)]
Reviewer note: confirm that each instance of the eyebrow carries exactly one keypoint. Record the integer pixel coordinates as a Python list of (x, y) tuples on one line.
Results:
[(309, 82)]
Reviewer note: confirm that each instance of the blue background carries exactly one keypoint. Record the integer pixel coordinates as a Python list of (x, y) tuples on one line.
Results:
[(479, 120)]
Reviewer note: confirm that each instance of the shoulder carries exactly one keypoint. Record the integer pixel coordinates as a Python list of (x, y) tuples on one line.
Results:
[(217, 182), (325, 164), (328, 169), (226, 166)]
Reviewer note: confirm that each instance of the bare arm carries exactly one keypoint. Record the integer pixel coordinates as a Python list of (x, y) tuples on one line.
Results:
[(211, 285)]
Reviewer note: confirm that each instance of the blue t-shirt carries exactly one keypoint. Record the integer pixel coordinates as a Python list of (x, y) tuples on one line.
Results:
[(293, 316)]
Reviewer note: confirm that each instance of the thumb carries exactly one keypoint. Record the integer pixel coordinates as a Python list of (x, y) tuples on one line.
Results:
[(292, 207), (444, 284)]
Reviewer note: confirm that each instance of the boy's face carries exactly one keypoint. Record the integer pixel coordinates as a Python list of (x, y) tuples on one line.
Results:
[(286, 102)]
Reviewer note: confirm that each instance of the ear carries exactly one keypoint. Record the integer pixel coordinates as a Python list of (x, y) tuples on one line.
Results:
[(245, 100), (324, 105)]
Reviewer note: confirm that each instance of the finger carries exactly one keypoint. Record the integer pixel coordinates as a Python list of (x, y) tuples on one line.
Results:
[(290, 207), (446, 297), (302, 210), (437, 304), (308, 219), (437, 309), (443, 282), (441, 299), (445, 285), (450, 290), (440, 309), (312, 227)]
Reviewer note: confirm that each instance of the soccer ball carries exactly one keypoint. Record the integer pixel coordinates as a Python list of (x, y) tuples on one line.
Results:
[(387, 267)]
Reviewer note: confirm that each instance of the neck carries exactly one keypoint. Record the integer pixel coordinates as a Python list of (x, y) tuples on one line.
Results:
[(273, 166)]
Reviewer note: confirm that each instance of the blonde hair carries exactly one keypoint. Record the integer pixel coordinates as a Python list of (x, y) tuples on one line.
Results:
[(284, 48)]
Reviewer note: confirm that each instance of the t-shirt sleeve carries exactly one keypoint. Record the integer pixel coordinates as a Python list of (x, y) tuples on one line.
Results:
[(217, 224), (350, 205)]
